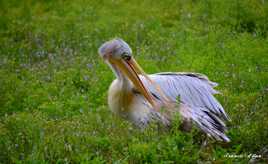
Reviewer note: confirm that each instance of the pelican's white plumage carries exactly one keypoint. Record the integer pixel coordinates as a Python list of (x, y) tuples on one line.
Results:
[(138, 97)]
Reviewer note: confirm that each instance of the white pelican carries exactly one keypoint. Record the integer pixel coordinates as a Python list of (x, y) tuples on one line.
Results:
[(142, 98)]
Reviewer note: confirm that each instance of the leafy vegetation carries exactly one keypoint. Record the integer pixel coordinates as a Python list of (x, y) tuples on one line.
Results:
[(53, 84)]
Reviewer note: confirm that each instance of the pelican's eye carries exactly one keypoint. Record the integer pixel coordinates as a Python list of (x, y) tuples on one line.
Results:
[(126, 56)]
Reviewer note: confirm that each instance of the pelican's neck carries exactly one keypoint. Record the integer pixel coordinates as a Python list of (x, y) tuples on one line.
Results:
[(119, 95), (124, 82)]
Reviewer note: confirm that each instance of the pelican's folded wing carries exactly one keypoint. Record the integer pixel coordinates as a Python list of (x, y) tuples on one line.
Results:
[(193, 89)]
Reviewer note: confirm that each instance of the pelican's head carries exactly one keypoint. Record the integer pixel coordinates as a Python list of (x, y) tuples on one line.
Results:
[(118, 55), (116, 48)]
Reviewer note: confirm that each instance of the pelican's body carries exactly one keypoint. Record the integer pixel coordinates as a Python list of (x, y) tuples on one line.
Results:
[(142, 98), (128, 103), (123, 101)]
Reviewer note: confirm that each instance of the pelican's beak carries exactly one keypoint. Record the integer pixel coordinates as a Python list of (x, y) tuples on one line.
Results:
[(131, 69), (157, 87)]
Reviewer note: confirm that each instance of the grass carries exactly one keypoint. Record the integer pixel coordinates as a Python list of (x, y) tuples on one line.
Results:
[(53, 85)]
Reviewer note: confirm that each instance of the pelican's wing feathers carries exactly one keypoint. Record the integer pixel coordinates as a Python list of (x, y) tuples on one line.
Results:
[(195, 93), (192, 89)]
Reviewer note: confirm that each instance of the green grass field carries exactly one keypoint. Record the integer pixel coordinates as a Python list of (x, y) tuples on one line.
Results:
[(53, 84)]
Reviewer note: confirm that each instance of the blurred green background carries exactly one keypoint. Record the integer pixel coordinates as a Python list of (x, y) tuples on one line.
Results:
[(53, 84)]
